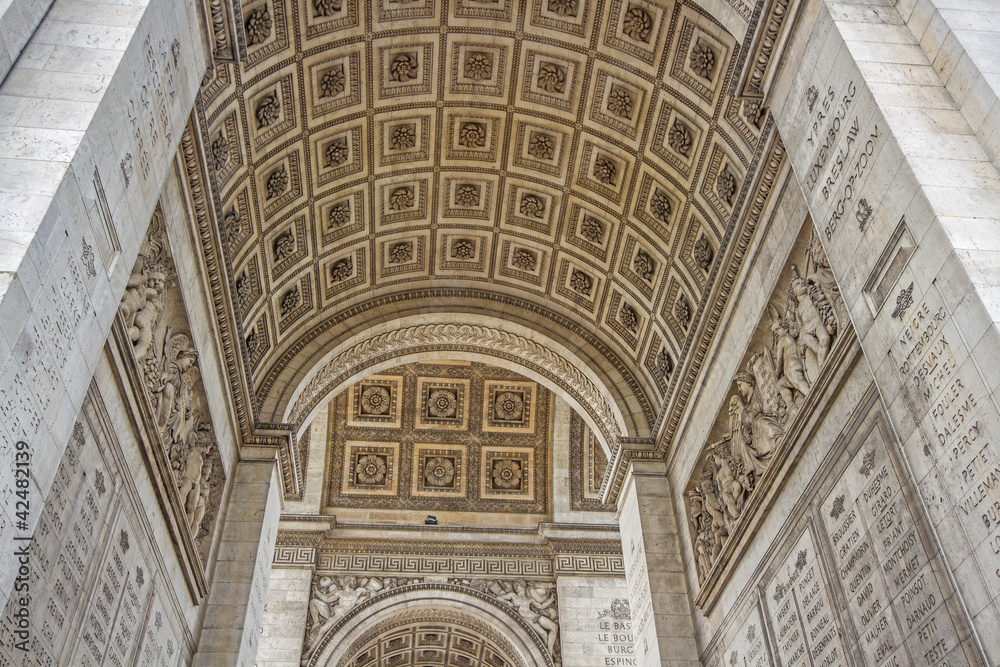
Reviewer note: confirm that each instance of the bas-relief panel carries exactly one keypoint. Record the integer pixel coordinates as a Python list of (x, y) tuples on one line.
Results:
[(162, 366), (803, 326), (98, 593), (462, 437), (856, 576)]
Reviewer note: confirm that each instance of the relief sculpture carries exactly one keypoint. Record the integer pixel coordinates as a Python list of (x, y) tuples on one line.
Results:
[(334, 597), (534, 601), (785, 358), (155, 323)]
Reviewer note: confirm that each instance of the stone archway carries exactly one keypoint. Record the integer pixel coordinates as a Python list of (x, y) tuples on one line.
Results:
[(433, 624), (475, 338)]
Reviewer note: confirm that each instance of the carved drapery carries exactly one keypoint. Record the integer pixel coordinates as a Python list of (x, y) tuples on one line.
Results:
[(157, 328), (785, 358)]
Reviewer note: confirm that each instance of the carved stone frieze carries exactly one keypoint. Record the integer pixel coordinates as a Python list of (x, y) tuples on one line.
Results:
[(786, 358), (156, 325)]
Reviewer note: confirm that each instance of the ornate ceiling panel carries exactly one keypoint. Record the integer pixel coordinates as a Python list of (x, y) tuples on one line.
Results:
[(571, 162), (442, 437)]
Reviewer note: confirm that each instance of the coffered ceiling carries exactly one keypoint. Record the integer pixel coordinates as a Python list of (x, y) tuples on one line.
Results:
[(573, 166)]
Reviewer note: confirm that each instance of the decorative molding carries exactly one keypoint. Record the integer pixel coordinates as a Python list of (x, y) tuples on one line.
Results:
[(457, 337)]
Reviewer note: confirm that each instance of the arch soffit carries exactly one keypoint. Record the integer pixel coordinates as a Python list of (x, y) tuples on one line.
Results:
[(608, 411), (606, 89)]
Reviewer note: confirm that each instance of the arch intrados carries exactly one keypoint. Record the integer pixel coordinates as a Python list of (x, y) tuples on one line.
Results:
[(583, 389)]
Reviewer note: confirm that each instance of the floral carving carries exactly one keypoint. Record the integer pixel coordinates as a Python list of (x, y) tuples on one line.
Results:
[(277, 182), (679, 138), (252, 343), (541, 146), (664, 364), (375, 400), (533, 206), (243, 290), (702, 59), (439, 472), (442, 403), (506, 474), (341, 270), (508, 406), (403, 137), (472, 135), (284, 246), (339, 214), (478, 66), (725, 185), (290, 301), (563, 7), (463, 249), (233, 226), (637, 24), (220, 151), (258, 26), (268, 111), (659, 206), (326, 7), (753, 111), (403, 68), (703, 253), (400, 252), (402, 199), (592, 229), (605, 170), (620, 102), (370, 469), (628, 317), (523, 259), (644, 265), (551, 78), (580, 282), (333, 82), (467, 195), (336, 152), (682, 311)]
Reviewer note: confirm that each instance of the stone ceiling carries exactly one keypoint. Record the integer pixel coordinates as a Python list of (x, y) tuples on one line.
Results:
[(571, 166)]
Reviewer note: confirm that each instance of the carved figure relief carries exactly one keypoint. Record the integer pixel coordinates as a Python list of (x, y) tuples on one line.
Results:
[(334, 597), (534, 601), (767, 395), (155, 323)]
